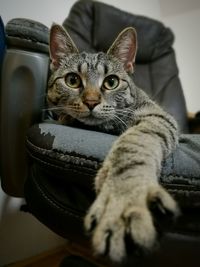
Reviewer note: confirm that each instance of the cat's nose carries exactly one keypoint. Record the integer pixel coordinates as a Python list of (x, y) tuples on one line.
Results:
[(91, 104)]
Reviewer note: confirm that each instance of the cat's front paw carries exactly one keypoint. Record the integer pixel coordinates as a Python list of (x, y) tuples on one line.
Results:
[(122, 222)]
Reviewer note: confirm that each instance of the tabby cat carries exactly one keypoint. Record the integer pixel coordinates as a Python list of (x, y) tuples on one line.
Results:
[(96, 89)]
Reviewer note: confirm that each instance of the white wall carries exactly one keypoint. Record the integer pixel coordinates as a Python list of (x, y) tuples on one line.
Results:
[(182, 16), (45, 11), (185, 23)]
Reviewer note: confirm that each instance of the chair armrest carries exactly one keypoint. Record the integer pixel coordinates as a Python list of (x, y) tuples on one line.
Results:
[(81, 149), (22, 96), (65, 160)]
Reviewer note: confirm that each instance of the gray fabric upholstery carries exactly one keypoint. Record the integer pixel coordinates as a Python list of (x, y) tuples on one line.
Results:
[(89, 144), (27, 34), (87, 149)]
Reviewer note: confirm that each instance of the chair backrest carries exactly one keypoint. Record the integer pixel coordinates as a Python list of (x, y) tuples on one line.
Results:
[(94, 26)]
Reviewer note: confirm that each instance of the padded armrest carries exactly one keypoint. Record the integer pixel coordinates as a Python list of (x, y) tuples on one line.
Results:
[(22, 96), (83, 149), (64, 161)]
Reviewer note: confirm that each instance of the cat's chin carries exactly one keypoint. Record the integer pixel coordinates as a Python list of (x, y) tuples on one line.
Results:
[(91, 121)]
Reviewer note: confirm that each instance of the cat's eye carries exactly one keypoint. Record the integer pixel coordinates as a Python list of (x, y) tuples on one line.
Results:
[(111, 82), (73, 80)]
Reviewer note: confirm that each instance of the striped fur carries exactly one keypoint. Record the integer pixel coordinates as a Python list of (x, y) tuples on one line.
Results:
[(127, 183)]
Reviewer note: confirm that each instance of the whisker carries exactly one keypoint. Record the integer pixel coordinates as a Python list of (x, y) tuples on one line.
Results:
[(123, 123), (126, 110), (118, 125), (60, 108), (124, 114), (52, 108), (73, 109)]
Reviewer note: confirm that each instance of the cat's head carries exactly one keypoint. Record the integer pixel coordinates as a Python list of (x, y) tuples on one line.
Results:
[(93, 88)]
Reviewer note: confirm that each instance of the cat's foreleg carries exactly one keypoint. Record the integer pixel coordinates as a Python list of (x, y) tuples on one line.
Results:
[(129, 194)]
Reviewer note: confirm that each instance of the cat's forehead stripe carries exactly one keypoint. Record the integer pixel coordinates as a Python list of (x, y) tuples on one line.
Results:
[(100, 69), (84, 68)]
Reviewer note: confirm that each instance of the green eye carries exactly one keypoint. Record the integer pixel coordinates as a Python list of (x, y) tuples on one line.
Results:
[(111, 82), (73, 80)]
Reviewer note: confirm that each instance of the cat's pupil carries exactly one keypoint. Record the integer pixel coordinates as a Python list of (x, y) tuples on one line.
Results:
[(73, 79), (111, 82)]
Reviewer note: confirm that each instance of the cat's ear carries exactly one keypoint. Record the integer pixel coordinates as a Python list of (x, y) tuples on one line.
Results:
[(60, 45), (125, 47)]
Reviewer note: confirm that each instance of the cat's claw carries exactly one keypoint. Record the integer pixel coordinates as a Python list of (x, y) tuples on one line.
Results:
[(114, 217)]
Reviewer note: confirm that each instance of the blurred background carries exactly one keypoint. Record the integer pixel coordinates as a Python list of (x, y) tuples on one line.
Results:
[(182, 16), (21, 235)]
